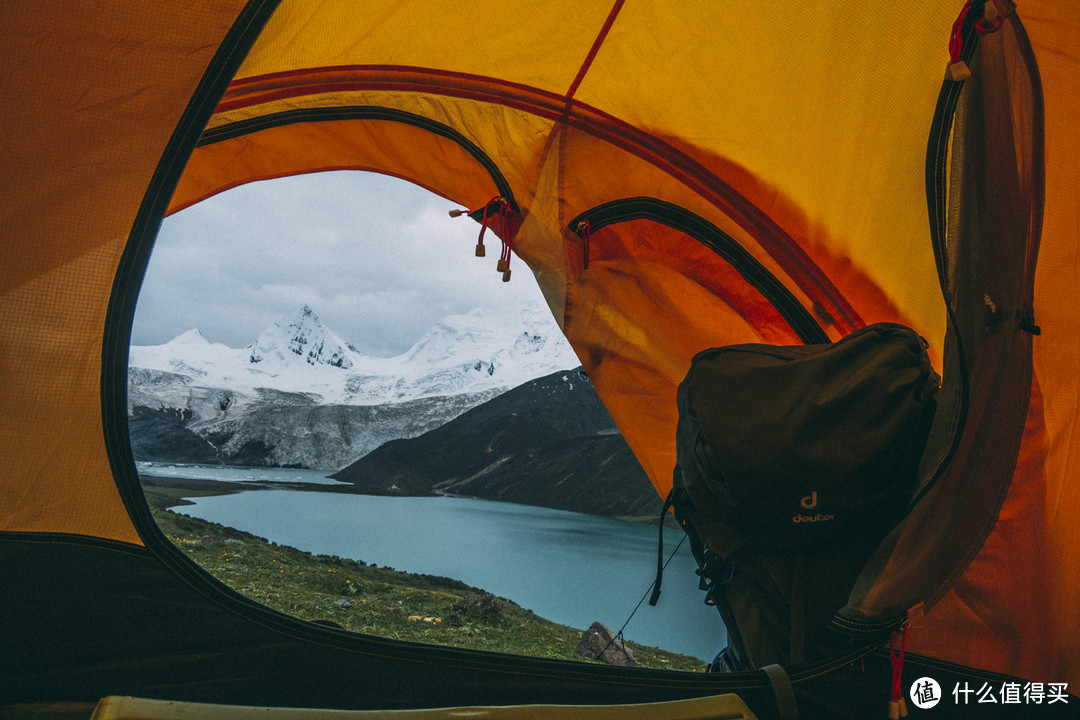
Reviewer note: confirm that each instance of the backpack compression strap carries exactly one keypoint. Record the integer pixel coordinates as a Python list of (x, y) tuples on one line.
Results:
[(655, 597), (782, 690)]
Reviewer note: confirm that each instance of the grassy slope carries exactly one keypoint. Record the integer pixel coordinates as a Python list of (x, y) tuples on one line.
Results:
[(382, 601)]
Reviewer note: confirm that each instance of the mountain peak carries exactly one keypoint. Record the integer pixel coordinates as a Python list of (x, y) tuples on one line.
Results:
[(191, 337), (302, 339)]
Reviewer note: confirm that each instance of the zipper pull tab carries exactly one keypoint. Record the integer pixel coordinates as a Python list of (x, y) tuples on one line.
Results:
[(480, 252), (486, 218), (455, 213), (506, 235), (897, 645), (994, 14), (496, 207), (584, 229), (957, 70)]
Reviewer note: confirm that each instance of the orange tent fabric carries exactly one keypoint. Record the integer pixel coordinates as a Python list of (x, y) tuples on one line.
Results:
[(755, 174)]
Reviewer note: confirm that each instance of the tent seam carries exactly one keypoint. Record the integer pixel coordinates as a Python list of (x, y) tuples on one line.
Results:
[(597, 43)]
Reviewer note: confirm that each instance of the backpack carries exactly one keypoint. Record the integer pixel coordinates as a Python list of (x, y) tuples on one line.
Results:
[(792, 464)]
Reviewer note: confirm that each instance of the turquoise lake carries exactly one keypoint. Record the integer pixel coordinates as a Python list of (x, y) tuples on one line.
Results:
[(568, 567)]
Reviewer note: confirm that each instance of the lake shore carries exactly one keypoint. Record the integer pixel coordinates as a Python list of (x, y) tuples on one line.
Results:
[(163, 491), (169, 492), (505, 548), (361, 597)]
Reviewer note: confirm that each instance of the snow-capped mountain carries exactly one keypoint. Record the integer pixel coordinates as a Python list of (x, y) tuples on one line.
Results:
[(304, 339), (483, 350), (301, 395)]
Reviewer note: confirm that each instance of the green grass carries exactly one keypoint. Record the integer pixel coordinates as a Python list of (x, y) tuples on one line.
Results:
[(380, 601)]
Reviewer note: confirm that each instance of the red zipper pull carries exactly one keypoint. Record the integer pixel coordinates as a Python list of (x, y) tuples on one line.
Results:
[(994, 14), (897, 644), (480, 252), (958, 70), (496, 207), (584, 229), (504, 263), (487, 216), (507, 215)]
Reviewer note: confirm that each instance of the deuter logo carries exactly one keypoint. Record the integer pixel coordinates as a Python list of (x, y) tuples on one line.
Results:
[(810, 502), (819, 517)]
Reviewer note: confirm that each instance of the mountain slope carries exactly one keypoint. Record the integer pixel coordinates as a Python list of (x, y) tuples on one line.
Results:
[(597, 474), (162, 435), (548, 442)]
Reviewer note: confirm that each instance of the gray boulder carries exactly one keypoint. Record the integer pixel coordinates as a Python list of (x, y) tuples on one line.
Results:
[(599, 643)]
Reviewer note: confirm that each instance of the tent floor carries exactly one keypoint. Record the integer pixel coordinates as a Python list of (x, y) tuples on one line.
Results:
[(48, 711), (728, 707)]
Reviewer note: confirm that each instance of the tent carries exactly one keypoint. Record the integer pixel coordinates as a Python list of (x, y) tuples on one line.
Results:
[(675, 177)]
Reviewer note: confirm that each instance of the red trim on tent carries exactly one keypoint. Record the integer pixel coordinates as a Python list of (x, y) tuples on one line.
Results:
[(780, 245)]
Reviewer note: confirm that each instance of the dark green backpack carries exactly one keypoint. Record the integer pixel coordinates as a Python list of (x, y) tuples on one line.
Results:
[(792, 464)]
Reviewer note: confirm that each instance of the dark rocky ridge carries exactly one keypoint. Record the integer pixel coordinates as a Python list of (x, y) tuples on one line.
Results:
[(162, 435), (549, 442)]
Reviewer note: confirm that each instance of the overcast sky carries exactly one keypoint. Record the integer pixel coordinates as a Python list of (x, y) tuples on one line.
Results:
[(378, 259)]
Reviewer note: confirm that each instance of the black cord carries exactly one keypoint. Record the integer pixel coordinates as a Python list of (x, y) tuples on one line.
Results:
[(648, 591)]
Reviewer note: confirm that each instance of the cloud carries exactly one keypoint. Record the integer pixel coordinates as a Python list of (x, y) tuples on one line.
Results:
[(377, 258)]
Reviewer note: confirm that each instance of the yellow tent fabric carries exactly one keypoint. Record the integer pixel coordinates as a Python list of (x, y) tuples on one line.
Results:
[(780, 169), (75, 170), (792, 138)]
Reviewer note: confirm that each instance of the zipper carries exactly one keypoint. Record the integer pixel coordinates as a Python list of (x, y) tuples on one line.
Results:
[(827, 300), (363, 112), (678, 218), (132, 264)]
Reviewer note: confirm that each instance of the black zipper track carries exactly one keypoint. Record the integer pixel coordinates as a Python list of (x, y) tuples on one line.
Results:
[(937, 153), (131, 269), (681, 219), (362, 112)]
